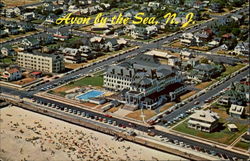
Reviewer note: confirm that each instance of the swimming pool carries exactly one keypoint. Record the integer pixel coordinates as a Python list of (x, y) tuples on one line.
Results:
[(90, 94)]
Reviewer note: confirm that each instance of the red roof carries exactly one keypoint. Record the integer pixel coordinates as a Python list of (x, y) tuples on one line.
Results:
[(5, 76), (36, 73), (246, 83), (209, 31), (60, 36), (226, 35), (13, 70)]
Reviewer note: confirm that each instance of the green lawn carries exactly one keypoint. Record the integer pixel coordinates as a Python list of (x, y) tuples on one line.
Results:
[(224, 136), (37, 21), (7, 60), (97, 80), (243, 145), (231, 69)]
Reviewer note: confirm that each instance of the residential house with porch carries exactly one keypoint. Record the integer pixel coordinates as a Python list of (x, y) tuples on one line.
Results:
[(11, 74), (204, 72), (238, 94), (72, 55), (29, 43), (242, 48), (204, 120), (7, 50)]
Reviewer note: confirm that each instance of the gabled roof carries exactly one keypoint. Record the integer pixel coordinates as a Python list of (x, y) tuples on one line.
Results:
[(207, 116), (112, 41), (204, 67)]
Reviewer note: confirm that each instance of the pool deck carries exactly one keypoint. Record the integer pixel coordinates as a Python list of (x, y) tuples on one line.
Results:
[(87, 92)]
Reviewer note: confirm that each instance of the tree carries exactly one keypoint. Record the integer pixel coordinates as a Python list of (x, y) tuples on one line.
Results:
[(221, 2), (237, 3), (58, 11), (236, 31)]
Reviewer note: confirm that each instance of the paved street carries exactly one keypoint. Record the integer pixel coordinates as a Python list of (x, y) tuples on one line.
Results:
[(144, 128), (206, 96)]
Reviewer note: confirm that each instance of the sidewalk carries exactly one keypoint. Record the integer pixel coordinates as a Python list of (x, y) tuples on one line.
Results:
[(205, 141), (77, 104)]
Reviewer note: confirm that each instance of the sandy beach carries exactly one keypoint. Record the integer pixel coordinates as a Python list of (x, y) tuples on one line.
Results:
[(25, 135)]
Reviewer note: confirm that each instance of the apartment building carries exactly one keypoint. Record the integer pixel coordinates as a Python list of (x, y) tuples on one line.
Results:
[(39, 61), (144, 82)]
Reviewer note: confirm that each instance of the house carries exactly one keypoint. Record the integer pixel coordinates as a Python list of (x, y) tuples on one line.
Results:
[(154, 5), (242, 48), (36, 74), (45, 39), (51, 18), (171, 60), (12, 74), (92, 10), (205, 35), (140, 33), (215, 42), (151, 30), (190, 40), (3, 33), (206, 121), (193, 62), (7, 51), (215, 7), (47, 7), (72, 55), (62, 36), (236, 94), (129, 28), (30, 43), (19, 10), (106, 5), (232, 127), (119, 33), (73, 8), (10, 13), (237, 17), (122, 42), (188, 36), (189, 3), (203, 72), (111, 45), (224, 47), (186, 54), (87, 53), (12, 31), (25, 27), (172, 2), (97, 43), (227, 36), (101, 27), (236, 110), (28, 16)]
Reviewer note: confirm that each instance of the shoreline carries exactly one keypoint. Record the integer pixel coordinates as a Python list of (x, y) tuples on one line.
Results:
[(17, 128)]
